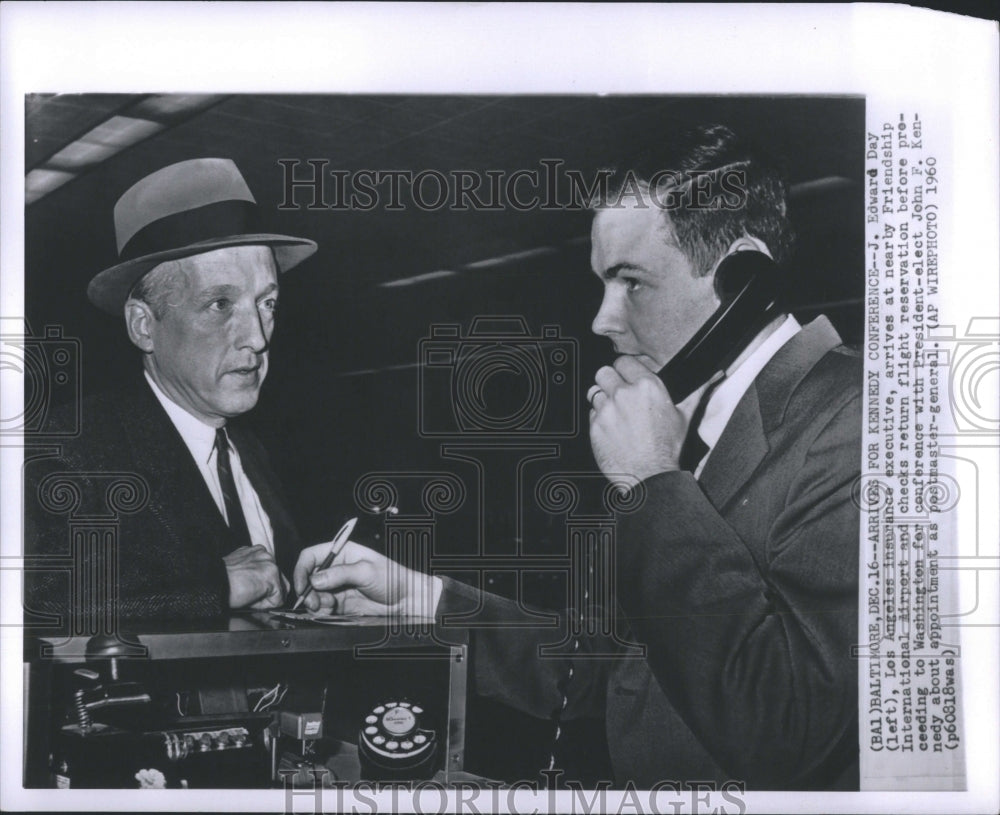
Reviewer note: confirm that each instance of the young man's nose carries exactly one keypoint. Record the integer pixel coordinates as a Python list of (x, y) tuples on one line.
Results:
[(608, 319)]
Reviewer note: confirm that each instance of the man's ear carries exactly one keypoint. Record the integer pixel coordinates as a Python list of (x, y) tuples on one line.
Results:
[(139, 322)]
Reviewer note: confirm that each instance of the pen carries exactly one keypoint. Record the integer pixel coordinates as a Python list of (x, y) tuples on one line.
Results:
[(338, 544)]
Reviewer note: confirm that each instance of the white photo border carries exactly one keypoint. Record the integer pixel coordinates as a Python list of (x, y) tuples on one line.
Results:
[(897, 57)]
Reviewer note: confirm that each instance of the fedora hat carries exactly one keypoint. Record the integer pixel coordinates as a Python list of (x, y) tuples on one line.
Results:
[(181, 210)]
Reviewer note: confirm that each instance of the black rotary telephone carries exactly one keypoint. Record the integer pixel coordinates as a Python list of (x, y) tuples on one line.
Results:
[(747, 284), (396, 743)]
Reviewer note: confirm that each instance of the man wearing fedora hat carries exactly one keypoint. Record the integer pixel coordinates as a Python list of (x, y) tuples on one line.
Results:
[(205, 528)]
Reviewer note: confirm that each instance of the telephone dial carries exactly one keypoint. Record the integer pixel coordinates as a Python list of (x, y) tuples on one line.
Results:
[(747, 285), (191, 724), (395, 742)]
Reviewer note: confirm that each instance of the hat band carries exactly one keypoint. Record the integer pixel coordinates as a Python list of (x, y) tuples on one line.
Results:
[(219, 220)]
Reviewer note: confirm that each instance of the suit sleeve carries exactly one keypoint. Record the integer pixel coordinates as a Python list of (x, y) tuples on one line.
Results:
[(508, 664), (755, 657)]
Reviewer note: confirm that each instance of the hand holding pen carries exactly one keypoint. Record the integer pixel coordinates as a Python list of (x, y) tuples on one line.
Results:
[(336, 546), (363, 582)]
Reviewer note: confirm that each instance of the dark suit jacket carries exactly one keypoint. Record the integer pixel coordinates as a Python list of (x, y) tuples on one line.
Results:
[(743, 588), (130, 472)]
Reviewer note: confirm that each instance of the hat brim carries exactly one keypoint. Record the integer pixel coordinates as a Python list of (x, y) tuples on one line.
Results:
[(109, 289)]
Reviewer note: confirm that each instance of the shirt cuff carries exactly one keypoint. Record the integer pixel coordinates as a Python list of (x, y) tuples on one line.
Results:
[(437, 587)]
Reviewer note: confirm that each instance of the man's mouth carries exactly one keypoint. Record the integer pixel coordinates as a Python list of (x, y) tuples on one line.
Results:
[(647, 361), (247, 372)]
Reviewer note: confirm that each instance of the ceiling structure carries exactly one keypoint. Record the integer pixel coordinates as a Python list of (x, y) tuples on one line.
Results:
[(83, 151)]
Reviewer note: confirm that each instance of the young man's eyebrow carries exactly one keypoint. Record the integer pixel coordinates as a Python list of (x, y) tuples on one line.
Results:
[(613, 271)]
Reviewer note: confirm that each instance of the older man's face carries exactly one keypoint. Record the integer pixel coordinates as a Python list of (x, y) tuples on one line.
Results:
[(210, 345)]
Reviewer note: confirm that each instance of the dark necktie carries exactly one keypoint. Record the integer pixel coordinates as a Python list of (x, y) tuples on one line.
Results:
[(694, 448), (238, 532)]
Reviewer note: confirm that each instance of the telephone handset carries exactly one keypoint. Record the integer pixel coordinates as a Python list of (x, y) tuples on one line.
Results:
[(747, 284)]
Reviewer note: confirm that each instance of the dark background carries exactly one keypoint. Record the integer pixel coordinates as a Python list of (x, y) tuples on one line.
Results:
[(341, 399)]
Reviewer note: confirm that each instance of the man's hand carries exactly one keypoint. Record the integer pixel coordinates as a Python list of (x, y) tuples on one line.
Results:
[(254, 579), (635, 429), (361, 581)]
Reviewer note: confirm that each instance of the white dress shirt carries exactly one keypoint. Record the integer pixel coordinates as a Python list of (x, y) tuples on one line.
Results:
[(200, 440), (723, 401)]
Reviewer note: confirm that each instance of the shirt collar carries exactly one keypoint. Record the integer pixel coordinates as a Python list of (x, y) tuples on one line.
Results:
[(198, 436), (722, 403)]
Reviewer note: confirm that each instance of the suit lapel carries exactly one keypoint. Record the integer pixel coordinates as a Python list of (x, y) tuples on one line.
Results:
[(264, 482), (743, 444), (741, 447), (178, 493)]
